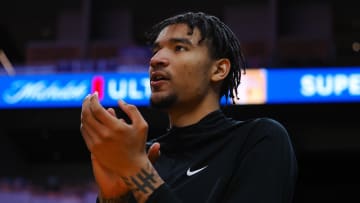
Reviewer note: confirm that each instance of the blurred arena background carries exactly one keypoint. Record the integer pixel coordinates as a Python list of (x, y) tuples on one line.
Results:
[(43, 157)]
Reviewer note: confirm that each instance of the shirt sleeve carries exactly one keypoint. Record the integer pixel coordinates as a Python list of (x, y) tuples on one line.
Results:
[(267, 170)]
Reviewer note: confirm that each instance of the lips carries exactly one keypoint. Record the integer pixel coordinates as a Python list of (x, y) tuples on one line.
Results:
[(157, 79), (157, 76)]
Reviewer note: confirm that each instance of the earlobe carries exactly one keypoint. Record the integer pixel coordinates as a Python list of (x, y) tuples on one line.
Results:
[(221, 69)]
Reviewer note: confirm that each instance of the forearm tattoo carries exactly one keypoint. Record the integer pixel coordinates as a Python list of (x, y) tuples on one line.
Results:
[(144, 181)]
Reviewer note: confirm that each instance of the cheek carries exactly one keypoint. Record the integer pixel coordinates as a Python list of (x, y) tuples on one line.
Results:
[(190, 75), (187, 79), (195, 70), (193, 80), (193, 76)]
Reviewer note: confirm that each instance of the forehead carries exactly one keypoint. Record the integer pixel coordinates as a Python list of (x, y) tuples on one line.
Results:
[(179, 31)]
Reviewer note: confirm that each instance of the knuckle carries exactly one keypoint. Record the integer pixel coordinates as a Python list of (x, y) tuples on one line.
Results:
[(105, 135)]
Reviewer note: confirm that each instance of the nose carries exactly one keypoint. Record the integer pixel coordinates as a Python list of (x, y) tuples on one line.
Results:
[(159, 60)]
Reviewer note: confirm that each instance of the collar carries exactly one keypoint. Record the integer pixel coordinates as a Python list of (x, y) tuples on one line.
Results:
[(212, 127)]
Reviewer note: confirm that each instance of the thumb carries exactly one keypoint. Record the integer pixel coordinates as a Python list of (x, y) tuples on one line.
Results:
[(154, 152)]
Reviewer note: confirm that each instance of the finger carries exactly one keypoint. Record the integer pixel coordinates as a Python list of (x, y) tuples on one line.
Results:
[(133, 113), (84, 114), (100, 113), (93, 133), (88, 120), (86, 137), (90, 127), (84, 106), (154, 152), (111, 111)]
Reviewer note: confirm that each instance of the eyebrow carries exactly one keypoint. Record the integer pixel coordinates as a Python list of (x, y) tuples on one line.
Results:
[(181, 40), (174, 41)]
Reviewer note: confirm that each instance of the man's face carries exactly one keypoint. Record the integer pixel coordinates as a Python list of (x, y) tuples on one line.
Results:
[(179, 68)]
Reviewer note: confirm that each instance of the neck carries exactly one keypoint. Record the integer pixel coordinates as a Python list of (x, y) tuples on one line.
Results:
[(190, 114)]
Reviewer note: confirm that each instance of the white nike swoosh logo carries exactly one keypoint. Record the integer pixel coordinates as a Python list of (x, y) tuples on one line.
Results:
[(191, 173)]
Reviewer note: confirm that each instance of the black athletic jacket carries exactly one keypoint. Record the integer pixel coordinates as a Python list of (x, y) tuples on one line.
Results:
[(222, 160)]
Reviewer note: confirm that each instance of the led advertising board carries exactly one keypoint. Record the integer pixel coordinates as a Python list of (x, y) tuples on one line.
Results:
[(258, 86), (69, 90), (313, 85)]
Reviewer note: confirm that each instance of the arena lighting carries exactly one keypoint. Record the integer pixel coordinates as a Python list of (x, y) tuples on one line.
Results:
[(259, 86)]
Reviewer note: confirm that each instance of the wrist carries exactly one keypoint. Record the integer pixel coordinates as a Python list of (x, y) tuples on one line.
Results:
[(114, 189), (143, 182)]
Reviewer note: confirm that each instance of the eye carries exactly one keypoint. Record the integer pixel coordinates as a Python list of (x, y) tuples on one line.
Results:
[(180, 48)]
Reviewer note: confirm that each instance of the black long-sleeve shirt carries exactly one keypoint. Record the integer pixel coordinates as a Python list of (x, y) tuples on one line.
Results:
[(222, 160)]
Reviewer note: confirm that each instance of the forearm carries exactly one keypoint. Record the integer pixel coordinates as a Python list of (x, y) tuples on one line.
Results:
[(143, 183), (140, 184), (146, 186)]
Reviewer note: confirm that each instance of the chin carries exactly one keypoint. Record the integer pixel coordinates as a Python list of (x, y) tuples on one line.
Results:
[(163, 103)]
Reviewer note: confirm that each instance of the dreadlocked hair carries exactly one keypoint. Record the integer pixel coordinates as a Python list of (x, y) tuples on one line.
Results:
[(222, 43)]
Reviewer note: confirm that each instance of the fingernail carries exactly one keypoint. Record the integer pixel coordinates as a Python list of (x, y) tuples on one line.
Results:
[(96, 93)]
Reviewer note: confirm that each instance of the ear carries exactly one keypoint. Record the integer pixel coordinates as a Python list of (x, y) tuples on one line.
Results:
[(220, 69)]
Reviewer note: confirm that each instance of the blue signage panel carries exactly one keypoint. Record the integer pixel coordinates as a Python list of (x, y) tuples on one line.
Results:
[(33, 91), (69, 90), (133, 88), (308, 85)]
